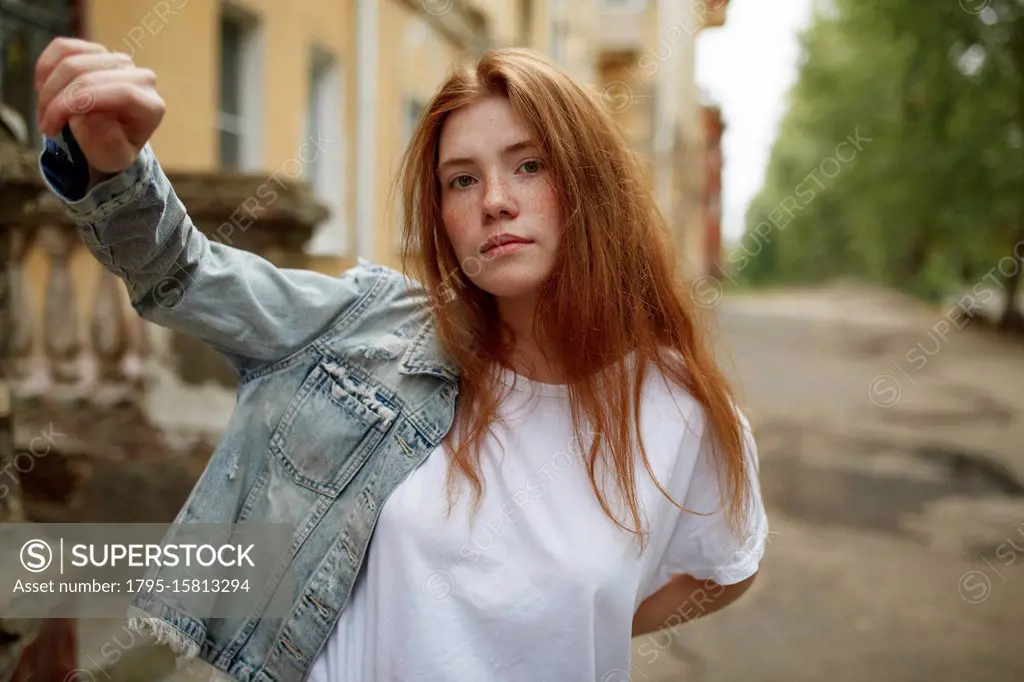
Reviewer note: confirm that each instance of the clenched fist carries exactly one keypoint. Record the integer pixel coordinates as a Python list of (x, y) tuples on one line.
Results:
[(112, 105)]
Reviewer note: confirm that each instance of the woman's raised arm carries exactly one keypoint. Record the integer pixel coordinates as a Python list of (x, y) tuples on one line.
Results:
[(98, 112)]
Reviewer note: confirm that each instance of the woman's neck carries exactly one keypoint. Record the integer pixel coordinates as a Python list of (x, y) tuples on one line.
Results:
[(528, 361), (527, 357)]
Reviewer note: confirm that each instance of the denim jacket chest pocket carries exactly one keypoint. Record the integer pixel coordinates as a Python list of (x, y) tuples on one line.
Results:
[(335, 420)]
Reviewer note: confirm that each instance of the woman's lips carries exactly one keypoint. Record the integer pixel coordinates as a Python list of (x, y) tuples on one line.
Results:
[(506, 248)]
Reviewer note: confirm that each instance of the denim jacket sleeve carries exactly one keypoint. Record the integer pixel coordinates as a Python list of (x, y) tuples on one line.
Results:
[(238, 302)]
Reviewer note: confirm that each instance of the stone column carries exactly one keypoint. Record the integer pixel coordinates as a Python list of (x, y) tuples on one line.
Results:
[(19, 184)]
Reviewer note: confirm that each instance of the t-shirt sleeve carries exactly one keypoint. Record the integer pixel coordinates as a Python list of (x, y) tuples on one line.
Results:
[(703, 546)]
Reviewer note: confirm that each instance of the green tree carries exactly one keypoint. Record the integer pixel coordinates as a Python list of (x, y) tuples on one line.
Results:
[(936, 197)]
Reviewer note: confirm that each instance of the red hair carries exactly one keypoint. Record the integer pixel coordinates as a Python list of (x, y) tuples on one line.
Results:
[(614, 291)]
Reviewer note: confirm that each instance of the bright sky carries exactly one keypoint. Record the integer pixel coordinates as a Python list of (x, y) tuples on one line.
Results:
[(747, 67)]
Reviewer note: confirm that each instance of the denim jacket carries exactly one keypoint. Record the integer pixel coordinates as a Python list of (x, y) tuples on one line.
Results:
[(343, 390)]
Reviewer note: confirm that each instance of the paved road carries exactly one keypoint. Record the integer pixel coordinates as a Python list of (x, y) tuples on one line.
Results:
[(892, 452)]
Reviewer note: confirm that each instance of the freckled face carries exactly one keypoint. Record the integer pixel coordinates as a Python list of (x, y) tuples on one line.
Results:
[(498, 204)]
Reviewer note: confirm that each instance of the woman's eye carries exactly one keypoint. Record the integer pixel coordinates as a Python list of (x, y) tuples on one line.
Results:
[(530, 166), (461, 181)]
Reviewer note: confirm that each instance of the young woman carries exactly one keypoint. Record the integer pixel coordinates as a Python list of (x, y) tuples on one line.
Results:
[(533, 431)]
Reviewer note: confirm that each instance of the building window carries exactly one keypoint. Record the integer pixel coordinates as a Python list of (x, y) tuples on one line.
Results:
[(630, 6), (241, 80), (558, 31), (322, 152), (526, 22), (414, 108), (714, 207), (413, 111)]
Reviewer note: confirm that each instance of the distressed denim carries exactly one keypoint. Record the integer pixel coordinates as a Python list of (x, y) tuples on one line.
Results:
[(343, 390)]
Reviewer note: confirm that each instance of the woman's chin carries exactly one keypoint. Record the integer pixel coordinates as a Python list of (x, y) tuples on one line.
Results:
[(512, 286)]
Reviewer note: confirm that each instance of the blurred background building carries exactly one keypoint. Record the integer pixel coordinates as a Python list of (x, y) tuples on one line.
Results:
[(285, 123), (645, 63)]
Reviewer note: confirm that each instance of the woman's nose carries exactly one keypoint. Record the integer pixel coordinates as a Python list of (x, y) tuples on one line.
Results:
[(498, 201)]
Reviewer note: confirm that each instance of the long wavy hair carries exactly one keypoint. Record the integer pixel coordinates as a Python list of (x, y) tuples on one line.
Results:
[(614, 293)]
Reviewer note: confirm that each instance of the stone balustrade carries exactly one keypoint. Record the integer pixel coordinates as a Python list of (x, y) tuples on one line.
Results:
[(74, 337)]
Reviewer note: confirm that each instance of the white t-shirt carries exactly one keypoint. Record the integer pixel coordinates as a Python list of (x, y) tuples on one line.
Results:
[(544, 586)]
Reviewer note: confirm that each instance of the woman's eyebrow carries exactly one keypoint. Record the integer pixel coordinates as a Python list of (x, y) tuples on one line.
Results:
[(518, 147), (465, 160)]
